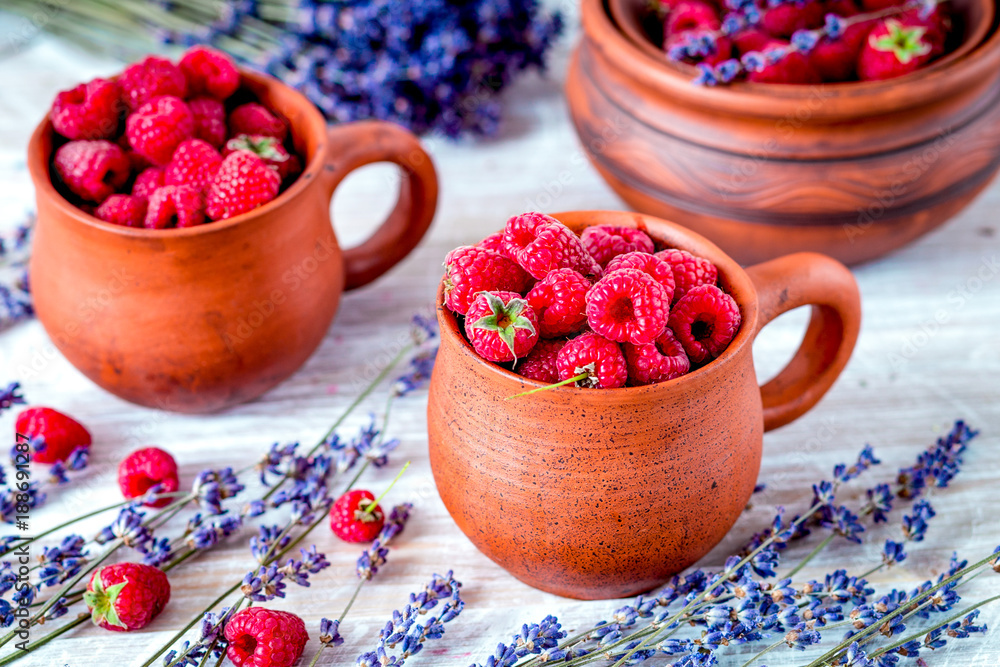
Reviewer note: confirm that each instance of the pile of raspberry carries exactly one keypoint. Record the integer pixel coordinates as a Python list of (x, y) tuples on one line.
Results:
[(166, 145), (604, 309), (870, 49)]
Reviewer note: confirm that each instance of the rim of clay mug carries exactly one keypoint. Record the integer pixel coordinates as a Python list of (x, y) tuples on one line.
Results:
[(310, 119), (732, 275)]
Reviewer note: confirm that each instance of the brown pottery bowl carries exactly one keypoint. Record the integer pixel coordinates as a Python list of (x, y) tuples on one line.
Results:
[(604, 493), (854, 170), (203, 318)]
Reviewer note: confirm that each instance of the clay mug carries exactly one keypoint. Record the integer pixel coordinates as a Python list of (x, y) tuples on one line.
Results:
[(605, 493), (203, 318)]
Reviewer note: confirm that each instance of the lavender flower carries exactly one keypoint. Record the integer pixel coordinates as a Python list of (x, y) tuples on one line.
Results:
[(264, 584), (329, 632), (10, 396), (532, 640), (298, 571), (265, 544), (129, 528), (59, 563), (211, 487), (421, 365)]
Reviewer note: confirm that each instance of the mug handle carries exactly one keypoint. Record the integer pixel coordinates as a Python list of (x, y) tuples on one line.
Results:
[(829, 287), (354, 145)]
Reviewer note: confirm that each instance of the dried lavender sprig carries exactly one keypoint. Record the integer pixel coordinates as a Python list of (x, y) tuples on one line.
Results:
[(11, 396)]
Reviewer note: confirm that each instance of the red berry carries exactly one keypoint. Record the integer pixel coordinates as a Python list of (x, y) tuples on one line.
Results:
[(126, 596), (541, 244), (155, 129), (705, 320), (651, 265), (751, 39), (92, 170), (471, 270), (268, 149), (837, 59), (792, 68), (492, 242), (897, 46), (663, 359), (194, 163), (785, 19), (145, 468), (209, 71), (153, 77), (628, 306), (89, 111), (61, 433), (147, 182), (256, 119), (606, 241), (723, 46), (243, 183), (540, 364), (125, 210), (260, 637), (691, 15), (689, 271), (595, 355), (350, 521), (560, 302), (175, 206), (501, 326), (209, 120), (842, 8)]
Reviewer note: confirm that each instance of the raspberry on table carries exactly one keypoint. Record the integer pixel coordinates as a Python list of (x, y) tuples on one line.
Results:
[(268, 149), (145, 468), (209, 120), (253, 118), (689, 271), (628, 306), (150, 78), (175, 206), (90, 111), (471, 270), (601, 359), (493, 242), (92, 170), (126, 596), (350, 519), (651, 265), (147, 182), (155, 129), (61, 433), (210, 72), (560, 302), (663, 359), (705, 321), (540, 243), (501, 326), (124, 210), (260, 637), (604, 242), (540, 364), (194, 163), (242, 183)]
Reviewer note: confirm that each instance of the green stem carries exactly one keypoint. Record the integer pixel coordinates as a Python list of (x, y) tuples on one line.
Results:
[(563, 383), (871, 571), (343, 615), (17, 655), (917, 635), (812, 554), (180, 633), (370, 507)]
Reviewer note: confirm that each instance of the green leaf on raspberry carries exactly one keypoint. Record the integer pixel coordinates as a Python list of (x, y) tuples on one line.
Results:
[(906, 43), (505, 319), (102, 600), (268, 148)]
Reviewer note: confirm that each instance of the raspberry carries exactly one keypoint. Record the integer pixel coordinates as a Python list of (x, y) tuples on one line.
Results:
[(705, 320), (794, 68), (155, 129), (540, 364), (606, 241), (126, 596), (209, 120), (501, 326), (89, 111), (689, 271), (785, 19), (194, 163), (896, 47), (92, 170), (628, 306), (595, 355), (242, 183), (540, 244), (151, 78), (145, 468), (471, 270), (256, 119), (663, 359), (147, 182), (492, 242), (209, 71), (651, 265), (560, 301), (125, 210), (350, 521), (260, 637), (175, 206), (268, 149), (61, 433)]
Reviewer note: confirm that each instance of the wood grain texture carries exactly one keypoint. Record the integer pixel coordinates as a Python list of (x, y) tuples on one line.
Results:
[(929, 352)]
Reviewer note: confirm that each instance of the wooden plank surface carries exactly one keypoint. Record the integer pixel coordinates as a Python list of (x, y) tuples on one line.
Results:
[(908, 380)]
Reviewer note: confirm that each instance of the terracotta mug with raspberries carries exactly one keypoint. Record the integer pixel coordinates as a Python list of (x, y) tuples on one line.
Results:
[(595, 422), (184, 257)]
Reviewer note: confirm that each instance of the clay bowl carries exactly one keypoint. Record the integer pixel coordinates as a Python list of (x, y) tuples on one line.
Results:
[(598, 494), (852, 170), (202, 318)]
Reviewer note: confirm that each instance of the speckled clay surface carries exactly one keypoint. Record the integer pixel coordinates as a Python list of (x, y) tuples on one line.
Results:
[(606, 493)]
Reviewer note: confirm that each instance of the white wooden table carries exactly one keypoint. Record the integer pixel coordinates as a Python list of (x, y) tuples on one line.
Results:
[(908, 380)]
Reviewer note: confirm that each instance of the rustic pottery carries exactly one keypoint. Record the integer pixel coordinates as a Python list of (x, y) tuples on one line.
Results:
[(853, 170), (606, 493), (202, 318)]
